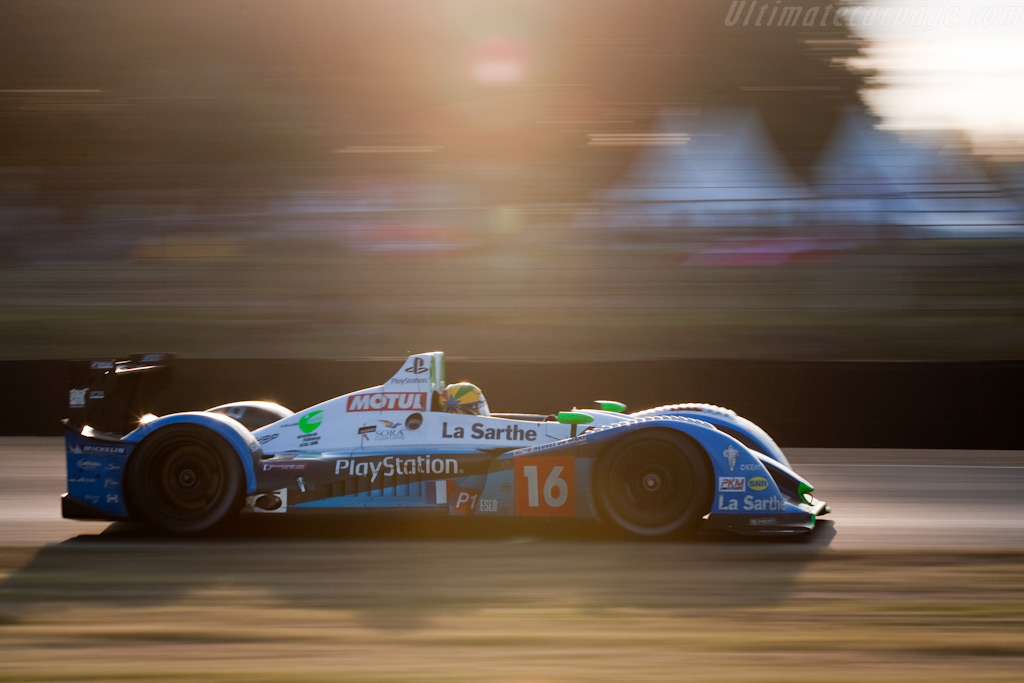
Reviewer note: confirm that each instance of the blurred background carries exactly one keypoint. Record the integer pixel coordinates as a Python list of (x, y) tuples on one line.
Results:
[(527, 179)]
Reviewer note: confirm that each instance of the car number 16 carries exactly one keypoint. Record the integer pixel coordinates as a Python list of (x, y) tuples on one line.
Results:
[(545, 486)]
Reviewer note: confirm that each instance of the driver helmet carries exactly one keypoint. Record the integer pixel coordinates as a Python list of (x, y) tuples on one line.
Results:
[(463, 397)]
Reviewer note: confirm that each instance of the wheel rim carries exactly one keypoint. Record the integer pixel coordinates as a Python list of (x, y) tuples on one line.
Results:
[(651, 486), (189, 480)]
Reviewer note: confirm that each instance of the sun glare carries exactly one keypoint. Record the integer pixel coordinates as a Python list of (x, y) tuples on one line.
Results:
[(952, 75)]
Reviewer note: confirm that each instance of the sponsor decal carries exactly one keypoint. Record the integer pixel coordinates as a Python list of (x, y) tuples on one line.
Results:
[(97, 449), (96, 394), (89, 465), (389, 431), (152, 358), (395, 465), (112, 467), (763, 521), (287, 465), (772, 504), (387, 400), (732, 484), (267, 438), (111, 483), (92, 499), (101, 365), (84, 480), (752, 504), (554, 444), (758, 484), (386, 431), (113, 498), (750, 467), (481, 432), (309, 422), (76, 397), (468, 502), (408, 380), (730, 455)]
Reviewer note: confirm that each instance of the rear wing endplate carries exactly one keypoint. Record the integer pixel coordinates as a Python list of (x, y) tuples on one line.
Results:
[(111, 395)]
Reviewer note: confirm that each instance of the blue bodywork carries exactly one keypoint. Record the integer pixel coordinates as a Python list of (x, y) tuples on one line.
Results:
[(96, 475), (753, 493)]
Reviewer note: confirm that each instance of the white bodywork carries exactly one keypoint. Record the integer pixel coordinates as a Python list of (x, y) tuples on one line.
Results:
[(401, 415)]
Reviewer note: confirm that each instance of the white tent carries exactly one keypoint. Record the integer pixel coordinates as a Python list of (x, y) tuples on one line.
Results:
[(708, 170), (873, 177)]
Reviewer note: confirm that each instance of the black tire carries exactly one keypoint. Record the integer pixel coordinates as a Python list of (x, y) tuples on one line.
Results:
[(653, 484), (184, 479)]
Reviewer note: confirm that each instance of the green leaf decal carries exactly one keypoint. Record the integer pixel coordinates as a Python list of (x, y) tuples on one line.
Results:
[(307, 424)]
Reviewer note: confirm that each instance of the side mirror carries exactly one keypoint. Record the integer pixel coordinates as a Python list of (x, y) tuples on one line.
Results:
[(611, 406), (572, 418)]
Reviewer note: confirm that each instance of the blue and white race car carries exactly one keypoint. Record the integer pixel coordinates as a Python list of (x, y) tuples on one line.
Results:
[(419, 444)]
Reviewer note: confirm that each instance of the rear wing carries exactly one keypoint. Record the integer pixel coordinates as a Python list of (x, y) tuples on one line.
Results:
[(111, 395)]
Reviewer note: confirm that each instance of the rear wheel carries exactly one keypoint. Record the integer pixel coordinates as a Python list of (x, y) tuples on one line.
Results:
[(184, 479), (654, 484)]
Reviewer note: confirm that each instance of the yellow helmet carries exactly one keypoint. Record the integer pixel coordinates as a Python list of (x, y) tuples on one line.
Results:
[(463, 397)]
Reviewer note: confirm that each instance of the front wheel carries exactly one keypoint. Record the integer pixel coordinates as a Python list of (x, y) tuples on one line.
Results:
[(653, 484), (184, 479)]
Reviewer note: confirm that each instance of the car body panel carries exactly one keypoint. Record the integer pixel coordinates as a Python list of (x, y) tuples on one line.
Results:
[(393, 447), (95, 468), (238, 437)]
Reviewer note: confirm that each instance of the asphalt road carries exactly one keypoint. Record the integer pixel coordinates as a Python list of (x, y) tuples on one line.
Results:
[(918, 572), (881, 500)]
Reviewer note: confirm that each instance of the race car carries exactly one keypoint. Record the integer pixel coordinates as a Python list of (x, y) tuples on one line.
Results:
[(419, 444)]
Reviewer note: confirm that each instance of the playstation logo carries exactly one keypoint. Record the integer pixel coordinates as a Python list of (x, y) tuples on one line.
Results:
[(418, 367)]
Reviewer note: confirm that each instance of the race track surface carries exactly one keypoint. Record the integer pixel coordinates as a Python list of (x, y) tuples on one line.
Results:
[(918, 571)]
